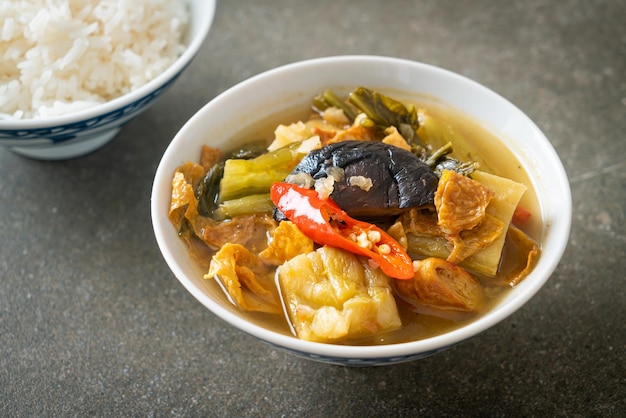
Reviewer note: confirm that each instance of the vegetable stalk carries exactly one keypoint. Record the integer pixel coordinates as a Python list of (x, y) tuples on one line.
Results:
[(255, 176), (329, 98), (247, 205)]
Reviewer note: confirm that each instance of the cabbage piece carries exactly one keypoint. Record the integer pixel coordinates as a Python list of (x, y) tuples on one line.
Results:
[(287, 242), (183, 203), (331, 295), (246, 280)]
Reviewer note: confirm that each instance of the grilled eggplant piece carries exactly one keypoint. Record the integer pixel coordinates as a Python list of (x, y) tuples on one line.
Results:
[(399, 180)]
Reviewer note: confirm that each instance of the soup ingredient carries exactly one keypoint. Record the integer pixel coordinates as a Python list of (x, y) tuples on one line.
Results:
[(244, 277), (61, 56), (440, 160), (327, 224), (299, 131), (520, 216), (207, 191), (287, 242), (523, 254), (328, 99), (441, 287), (248, 230), (250, 180), (476, 246), (375, 116), (399, 179), (507, 195), (331, 295), (385, 111), (461, 206), (245, 177), (246, 205), (380, 111)]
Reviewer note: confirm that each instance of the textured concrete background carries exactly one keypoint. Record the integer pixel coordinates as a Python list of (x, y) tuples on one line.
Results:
[(92, 322)]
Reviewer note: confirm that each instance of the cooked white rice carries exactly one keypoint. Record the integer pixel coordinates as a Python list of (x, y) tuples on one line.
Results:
[(59, 56)]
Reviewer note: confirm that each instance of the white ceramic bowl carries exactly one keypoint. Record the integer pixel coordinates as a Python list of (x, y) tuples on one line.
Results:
[(81, 132), (294, 85)]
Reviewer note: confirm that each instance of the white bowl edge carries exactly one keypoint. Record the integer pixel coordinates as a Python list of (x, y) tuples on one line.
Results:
[(557, 190)]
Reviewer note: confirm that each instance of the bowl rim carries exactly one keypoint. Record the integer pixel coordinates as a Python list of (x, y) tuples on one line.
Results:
[(192, 48), (557, 238)]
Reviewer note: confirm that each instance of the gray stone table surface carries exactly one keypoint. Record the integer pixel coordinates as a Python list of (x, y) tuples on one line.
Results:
[(93, 323)]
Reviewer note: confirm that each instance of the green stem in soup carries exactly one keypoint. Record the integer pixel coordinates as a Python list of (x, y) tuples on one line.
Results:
[(328, 99), (255, 176), (246, 205)]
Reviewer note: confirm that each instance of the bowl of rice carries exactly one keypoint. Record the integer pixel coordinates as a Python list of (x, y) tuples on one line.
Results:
[(74, 71)]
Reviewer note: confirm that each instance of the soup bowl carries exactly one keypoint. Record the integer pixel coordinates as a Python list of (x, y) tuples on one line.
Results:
[(79, 132), (293, 86)]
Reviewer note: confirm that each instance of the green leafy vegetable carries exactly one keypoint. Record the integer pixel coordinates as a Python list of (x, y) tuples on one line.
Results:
[(439, 161), (208, 190), (329, 99), (384, 111)]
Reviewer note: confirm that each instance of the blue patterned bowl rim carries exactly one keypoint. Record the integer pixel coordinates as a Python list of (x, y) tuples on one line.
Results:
[(61, 133)]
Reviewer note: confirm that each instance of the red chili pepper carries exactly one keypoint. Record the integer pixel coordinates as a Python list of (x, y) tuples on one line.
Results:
[(326, 223), (520, 216)]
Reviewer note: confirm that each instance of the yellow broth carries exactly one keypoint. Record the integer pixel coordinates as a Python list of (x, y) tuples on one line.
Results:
[(478, 144)]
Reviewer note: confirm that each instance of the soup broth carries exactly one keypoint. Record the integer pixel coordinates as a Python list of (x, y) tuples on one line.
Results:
[(471, 141)]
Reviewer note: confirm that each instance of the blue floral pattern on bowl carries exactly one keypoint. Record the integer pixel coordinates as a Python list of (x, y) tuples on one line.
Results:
[(366, 362), (359, 362), (62, 133)]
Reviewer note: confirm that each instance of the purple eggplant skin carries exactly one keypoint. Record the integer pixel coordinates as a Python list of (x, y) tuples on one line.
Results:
[(400, 180)]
